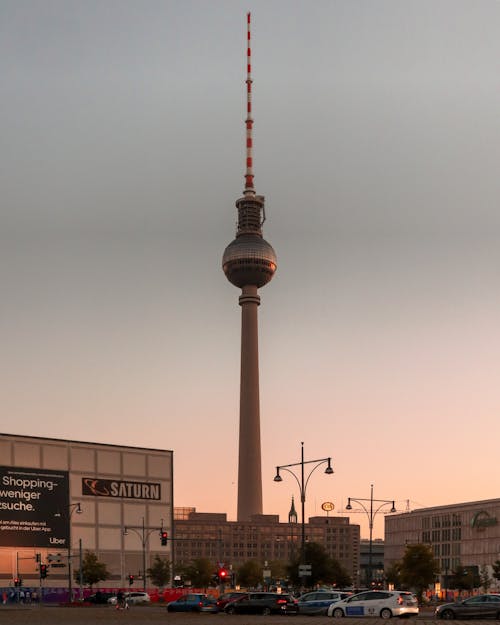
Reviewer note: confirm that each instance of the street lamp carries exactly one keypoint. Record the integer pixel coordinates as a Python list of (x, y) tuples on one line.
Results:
[(303, 482), (72, 508), (371, 513), (143, 532)]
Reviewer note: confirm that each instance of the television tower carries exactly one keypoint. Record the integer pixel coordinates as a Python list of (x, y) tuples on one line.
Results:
[(249, 263)]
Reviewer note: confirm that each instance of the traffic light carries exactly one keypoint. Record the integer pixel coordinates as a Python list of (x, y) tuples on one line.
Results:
[(43, 571), (222, 575), (164, 538), (17, 582), (130, 580)]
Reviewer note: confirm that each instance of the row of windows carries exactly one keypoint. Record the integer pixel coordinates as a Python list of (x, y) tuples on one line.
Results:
[(442, 520), (441, 536), (446, 549)]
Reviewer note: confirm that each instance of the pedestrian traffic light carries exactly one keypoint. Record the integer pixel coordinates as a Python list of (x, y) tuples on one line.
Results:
[(164, 538), (43, 571), (17, 582), (130, 580)]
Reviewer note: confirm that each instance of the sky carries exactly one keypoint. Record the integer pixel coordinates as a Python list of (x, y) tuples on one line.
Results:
[(377, 147)]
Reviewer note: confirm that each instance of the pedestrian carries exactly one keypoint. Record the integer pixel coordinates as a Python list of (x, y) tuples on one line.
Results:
[(119, 600)]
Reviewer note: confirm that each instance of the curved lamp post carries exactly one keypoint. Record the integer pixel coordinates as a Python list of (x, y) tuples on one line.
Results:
[(371, 514), (72, 508), (143, 532), (303, 482)]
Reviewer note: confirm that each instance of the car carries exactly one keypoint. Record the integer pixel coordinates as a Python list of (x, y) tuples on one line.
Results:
[(193, 602), (225, 598), (100, 597), (480, 606), (132, 598), (319, 601), (383, 603), (262, 603)]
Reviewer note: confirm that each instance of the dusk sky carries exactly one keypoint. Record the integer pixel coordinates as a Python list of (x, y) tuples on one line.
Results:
[(377, 147)]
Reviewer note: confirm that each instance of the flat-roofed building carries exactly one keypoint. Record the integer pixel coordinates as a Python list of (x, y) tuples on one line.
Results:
[(466, 534), (263, 538), (59, 498)]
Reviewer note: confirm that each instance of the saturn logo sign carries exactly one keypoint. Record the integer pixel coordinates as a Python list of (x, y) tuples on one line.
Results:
[(120, 489), (481, 520)]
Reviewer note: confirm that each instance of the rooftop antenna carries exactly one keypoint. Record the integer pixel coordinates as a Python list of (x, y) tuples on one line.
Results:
[(249, 188)]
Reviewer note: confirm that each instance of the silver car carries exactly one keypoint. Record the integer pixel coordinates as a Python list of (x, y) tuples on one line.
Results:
[(319, 601)]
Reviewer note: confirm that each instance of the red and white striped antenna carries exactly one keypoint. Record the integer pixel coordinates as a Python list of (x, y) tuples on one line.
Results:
[(249, 188)]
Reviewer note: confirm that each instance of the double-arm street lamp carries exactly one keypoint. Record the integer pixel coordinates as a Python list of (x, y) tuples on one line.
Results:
[(143, 532), (303, 482), (72, 508), (371, 513)]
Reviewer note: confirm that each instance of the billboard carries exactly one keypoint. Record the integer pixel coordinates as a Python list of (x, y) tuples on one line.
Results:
[(34, 508)]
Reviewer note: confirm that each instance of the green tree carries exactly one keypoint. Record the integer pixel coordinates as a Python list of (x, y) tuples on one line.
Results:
[(200, 572), (93, 571), (419, 568), (393, 574), (324, 569), (496, 569), (249, 574), (159, 573), (484, 578), (278, 570), (459, 579)]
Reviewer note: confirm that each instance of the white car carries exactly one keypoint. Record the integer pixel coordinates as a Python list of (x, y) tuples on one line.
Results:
[(383, 603), (132, 598)]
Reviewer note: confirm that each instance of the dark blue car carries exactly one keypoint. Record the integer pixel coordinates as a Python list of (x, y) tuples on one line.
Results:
[(193, 602)]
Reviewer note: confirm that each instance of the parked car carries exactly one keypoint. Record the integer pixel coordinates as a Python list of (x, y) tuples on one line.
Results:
[(100, 597), (193, 602), (132, 598), (480, 606), (225, 598), (383, 603), (262, 603), (319, 601)]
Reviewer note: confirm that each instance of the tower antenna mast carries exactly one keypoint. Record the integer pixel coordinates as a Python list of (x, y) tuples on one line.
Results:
[(249, 188)]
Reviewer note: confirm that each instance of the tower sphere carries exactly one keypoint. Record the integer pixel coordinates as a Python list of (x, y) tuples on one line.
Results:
[(249, 260)]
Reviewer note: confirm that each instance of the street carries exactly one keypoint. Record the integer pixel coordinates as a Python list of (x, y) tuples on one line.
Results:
[(54, 615)]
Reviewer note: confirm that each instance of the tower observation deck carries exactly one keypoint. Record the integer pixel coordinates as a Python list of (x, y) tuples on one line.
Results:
[(249, 262)]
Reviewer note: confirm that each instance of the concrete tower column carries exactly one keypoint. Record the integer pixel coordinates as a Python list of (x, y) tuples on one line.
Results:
[(249, 469)]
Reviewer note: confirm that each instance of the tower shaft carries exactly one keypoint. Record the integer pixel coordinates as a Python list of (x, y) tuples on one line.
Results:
[(249, 467)]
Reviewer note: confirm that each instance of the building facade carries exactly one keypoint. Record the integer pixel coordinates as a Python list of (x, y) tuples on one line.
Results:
[(462, 534), (60, 498), (263, 538)]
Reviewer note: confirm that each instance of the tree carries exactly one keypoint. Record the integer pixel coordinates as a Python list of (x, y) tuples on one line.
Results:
[(93, 571), (159, 573), (459, 578), (324, 569), (484, 577), (249, 574), (200, 572), (496, 569), (419, 568), (393, 574)]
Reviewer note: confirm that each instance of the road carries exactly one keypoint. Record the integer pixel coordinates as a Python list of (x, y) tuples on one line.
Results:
[(48, 615)]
